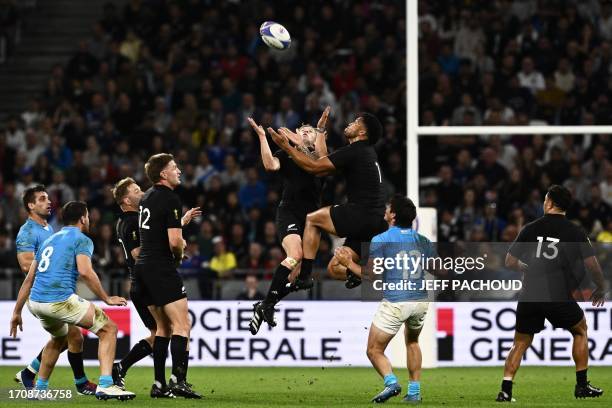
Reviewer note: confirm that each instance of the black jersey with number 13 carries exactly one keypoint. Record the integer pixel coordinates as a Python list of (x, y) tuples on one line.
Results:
[(160, 209)]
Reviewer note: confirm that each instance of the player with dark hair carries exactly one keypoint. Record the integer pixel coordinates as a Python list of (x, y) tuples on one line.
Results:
[(31, 235), (362, 216), (127, 194), (301, 195), (398, 308), (548, 251), (49, 290), (161, 288)]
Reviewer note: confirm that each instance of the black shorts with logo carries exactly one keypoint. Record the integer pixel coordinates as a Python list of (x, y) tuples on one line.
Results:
[(291, 219), (158, 285), (358, 224), (141, 306), (530, 316)]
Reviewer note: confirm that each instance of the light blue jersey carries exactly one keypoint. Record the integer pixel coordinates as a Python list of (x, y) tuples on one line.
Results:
[(406, 246), (31, 235), (56, 274)]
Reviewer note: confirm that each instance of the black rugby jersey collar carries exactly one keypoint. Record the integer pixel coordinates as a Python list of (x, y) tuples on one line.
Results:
[(161, 187)]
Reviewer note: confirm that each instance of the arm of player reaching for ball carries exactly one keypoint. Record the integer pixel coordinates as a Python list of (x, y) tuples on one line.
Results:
[(345, 259), (320, 167), (270, 162), (92, 281), (598, 296), (321, 139)]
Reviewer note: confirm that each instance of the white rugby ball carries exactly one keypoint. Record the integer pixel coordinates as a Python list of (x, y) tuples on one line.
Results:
[(275, 35)]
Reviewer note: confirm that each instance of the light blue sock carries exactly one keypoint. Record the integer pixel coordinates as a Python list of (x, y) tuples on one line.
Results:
[(390, 379), (42, 384), (414, 387), (79, 381), (35, 365), (105, 381)]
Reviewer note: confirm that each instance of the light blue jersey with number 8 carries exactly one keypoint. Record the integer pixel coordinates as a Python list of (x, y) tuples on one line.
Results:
[(56, 272)]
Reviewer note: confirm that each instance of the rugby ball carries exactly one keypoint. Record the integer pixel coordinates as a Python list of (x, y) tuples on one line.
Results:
[(275, 35)]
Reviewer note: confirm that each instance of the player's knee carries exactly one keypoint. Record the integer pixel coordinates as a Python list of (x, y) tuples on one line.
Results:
[(372, 352), (313, 218), (108, 330), (75, 337)]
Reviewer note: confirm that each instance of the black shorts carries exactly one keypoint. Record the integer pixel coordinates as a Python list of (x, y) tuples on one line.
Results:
[(291, 219), (358, 224), (141, 307), (530, 315), (159, 285)]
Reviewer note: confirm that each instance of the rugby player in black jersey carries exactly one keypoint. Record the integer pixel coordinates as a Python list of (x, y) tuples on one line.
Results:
[(301, 195), (127, 194), (552, 252), (161, 251), (362, 216)]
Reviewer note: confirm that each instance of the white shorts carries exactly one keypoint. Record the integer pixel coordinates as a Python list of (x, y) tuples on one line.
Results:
[(391, 315), (56, 316)]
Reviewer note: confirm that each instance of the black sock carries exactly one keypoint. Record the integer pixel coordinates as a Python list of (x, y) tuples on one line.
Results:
[(581, 377), (160, 353), (279, 284), (178, 348), (306, 270), (76, 362), (507, 387), (186, 363), (137, 353)]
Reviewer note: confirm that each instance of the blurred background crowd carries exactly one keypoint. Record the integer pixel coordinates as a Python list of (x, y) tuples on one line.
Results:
[(183, 77)]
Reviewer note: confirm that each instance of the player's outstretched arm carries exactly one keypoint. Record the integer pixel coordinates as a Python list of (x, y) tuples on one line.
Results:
[(24, 293), (270, 162), (598, 296), (320, 167), (92, 281), (321, 140)]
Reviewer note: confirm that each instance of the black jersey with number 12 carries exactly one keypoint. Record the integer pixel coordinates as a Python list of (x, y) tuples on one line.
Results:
[(160, 209)]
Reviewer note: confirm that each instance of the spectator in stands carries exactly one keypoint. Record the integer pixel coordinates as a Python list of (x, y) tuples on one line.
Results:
[(251, 290), (223, 262)]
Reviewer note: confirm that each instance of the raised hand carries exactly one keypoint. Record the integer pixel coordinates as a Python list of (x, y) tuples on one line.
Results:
[(322, 123), (281, 140), (257, 128), (190, 215), (293, 137)]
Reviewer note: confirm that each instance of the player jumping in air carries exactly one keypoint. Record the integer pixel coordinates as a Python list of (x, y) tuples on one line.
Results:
[(549, 251), (128, 194), (49, 290), (31, 235), (398, 307), (301, 195), (362, 216), (161, 288)]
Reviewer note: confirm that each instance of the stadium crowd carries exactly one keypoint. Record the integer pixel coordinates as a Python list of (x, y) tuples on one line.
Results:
[(183, 77)]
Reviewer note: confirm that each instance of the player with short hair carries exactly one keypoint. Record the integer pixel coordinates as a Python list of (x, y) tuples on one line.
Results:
[(301, 195), (127, 194), (398, 307), (549, 267), (31, 235), (161, 251), (49, 290), (362, 216)]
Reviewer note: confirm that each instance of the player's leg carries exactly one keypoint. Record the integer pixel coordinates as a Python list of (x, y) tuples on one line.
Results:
[(51, 351), (28, 374), (522, 341), (96, 321), (160, 352), (279, 288), (414, 357), (565, 315), (75, 358), (385, 325), (145, 346), (178, 314), (316, 222)]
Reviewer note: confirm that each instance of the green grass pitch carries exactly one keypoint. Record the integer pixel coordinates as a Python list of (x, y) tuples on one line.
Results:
[(338, 387)]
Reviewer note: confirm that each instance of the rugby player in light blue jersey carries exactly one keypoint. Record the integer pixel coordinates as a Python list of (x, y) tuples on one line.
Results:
[(49, 290), (399, 306), (31, 235)]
